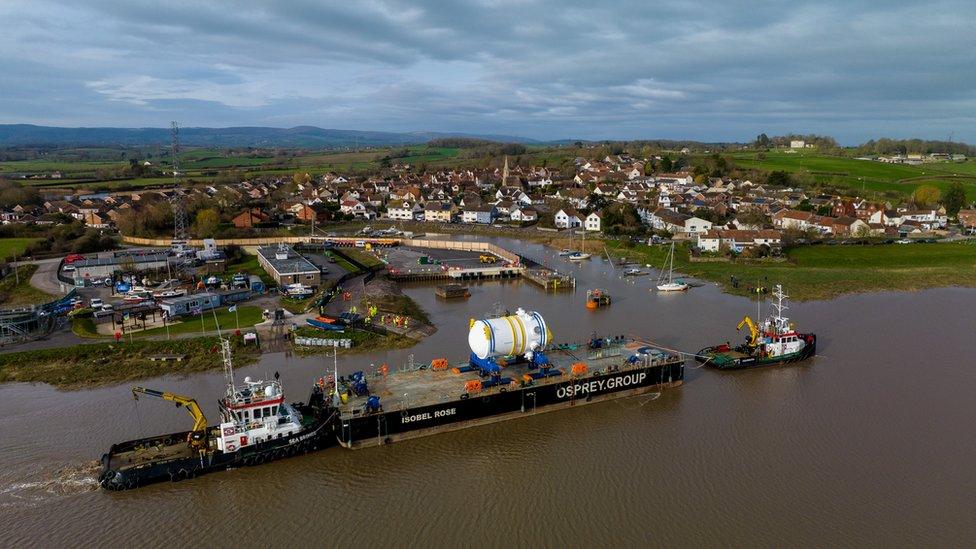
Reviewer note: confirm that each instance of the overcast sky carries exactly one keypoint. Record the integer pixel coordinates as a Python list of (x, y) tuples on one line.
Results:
[(707, 70)]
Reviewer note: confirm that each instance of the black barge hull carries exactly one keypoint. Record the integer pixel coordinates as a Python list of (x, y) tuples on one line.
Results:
[(387, 427)]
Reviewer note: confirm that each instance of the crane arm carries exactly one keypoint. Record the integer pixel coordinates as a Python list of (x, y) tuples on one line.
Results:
[(199, 420), (753, 331)]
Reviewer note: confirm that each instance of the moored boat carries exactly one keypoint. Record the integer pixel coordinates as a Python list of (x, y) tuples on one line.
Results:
[(670, 285), (775, 341)]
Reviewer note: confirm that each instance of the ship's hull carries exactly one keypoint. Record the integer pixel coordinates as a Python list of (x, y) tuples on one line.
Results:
[(387, 427), (118, 474), (727, 360)]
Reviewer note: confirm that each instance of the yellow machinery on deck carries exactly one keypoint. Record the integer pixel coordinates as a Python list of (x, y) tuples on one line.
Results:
[(198, 436), (488, 258), (753, 331)]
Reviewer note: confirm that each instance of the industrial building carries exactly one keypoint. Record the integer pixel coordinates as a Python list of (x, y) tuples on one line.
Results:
[(287, 266)]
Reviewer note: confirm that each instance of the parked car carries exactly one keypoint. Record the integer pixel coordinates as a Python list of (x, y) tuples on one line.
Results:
[(108, 307), (96, 303), (71, 258), (69, 268)]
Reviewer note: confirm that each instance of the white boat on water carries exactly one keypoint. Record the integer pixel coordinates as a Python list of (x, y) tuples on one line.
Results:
[(580, 255), (670, 285), (633, 271), (566, 252)]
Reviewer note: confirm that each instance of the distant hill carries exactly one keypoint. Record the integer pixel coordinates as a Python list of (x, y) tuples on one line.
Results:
[(16, 135)]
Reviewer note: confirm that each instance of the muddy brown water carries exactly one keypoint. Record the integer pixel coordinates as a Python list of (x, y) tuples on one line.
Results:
[(870, 443)]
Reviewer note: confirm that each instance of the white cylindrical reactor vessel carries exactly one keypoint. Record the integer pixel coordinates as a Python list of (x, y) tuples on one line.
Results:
[(523, 333)]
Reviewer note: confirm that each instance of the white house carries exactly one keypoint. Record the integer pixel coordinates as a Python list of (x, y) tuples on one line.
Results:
[(403, 209), (478, 214), (711, 241), (524, 215), (567, 218), (593, 222), (797, 144), (674, 222)]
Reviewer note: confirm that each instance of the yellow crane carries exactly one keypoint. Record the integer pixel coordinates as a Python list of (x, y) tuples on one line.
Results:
[(753, 331), (198, 436)]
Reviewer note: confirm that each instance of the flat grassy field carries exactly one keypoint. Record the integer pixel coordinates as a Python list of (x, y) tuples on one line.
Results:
[(14, 247), (824, 272), (248, 315), (866, 175)]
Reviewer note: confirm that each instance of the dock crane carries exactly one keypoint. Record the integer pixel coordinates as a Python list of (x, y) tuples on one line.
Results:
[(753, 331), (198, 436)]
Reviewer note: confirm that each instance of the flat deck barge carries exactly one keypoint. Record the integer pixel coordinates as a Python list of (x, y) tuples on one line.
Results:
[(430, 400)]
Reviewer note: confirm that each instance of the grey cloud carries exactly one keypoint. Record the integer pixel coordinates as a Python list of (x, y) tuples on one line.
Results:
[(708, 70)]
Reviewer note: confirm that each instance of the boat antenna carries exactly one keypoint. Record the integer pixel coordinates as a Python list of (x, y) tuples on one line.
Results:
[(224, 343), (335, 378)]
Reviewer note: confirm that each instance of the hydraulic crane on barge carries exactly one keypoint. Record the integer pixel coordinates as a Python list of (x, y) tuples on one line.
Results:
[(198, 436)]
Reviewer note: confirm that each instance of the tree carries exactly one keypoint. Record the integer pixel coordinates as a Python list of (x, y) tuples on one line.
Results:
[(666, 163), (207, 222), (954, 198), (926, 195), (762, 141), (779, 178)]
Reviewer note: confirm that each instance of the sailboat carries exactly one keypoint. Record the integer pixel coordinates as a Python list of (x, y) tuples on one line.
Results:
[(670, 285), (580, 255)]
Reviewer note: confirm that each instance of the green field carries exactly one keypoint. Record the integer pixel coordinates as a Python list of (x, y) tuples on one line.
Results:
[(248, 315), (14, 247), (824, 272), (864, 175)]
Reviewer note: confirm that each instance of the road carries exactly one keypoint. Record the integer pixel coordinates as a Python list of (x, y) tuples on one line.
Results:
[(46, 277)]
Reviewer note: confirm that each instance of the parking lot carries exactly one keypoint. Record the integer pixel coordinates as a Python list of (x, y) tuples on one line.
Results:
[(404, 258)]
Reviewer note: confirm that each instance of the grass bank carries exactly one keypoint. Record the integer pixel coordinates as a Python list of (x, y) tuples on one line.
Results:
[(824, 272), (16, 290), (100, 364), (362, 341)]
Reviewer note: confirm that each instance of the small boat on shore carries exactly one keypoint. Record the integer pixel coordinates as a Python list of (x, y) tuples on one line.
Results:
[(325, 323), (634, 271), (775, 341)]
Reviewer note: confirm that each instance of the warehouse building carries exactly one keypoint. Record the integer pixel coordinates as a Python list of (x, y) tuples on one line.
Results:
[(287, 266)]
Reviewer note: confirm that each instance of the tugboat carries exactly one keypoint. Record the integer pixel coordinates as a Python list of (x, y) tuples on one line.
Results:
[(256, 426), (775, 341)]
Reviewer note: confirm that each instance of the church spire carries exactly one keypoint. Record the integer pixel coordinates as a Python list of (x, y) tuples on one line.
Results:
[(505, 171)]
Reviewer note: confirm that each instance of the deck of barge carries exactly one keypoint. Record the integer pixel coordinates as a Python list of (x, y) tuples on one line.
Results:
[(422, 386)]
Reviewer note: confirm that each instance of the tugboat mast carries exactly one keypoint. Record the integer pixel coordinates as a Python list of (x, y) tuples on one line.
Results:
[(228, 366), (780, 320)]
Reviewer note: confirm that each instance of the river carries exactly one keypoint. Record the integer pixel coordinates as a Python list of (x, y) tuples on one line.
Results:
[(870, 443)]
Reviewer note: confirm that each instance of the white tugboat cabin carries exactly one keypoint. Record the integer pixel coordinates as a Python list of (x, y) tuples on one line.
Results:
[(254, 413)]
